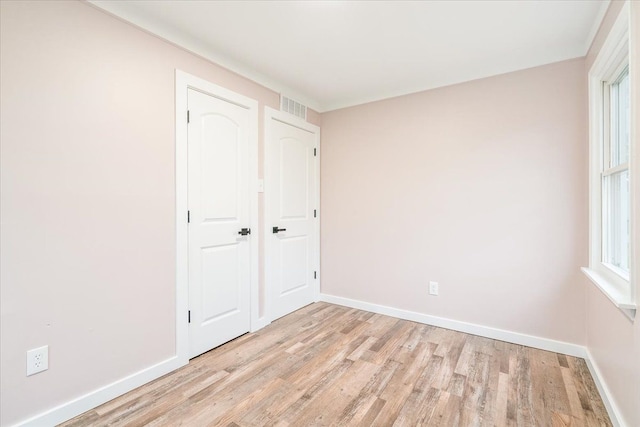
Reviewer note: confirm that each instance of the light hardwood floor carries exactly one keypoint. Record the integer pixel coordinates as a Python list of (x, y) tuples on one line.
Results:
[(331, 365)]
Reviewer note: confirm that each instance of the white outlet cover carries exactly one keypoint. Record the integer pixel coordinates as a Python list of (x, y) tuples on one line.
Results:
[(433, 288), (37, 360)]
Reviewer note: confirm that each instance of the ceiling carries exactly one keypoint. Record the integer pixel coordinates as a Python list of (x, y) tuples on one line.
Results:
[(335, 54)]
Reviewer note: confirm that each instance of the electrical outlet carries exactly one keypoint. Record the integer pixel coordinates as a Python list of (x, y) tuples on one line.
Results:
[(37, 360), (433, 288)]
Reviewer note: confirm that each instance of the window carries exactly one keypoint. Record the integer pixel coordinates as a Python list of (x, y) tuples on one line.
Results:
[(615, 230), (610, 195)]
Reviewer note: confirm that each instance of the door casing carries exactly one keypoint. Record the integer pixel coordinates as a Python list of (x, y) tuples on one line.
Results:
[(184, 82)]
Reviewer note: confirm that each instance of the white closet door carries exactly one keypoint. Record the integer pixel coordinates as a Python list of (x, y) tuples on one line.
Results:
[(219, 257), (291, 234)]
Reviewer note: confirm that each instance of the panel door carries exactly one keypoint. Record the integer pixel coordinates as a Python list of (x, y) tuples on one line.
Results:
[(219, 257), (291, 235)]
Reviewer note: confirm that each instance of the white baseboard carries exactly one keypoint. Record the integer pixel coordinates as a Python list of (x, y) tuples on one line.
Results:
[(605, 394), (498, 334), (84, 403), (469, 328), (77, 406), (102, 395)]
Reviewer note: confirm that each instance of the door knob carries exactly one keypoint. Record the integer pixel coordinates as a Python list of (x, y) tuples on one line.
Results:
[(244, 231), (276, 229)]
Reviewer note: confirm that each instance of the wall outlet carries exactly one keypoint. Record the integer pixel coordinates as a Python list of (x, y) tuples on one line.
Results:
[(433, 288), (37, 360)]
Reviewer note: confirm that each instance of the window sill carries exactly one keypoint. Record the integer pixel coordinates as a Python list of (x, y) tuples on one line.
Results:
[(618, 298)]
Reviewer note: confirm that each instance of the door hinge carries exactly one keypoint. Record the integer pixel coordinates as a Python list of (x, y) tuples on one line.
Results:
[(314, 213), (315, 153), (189, 316), (187, 116), (188, 217), (315, 274)]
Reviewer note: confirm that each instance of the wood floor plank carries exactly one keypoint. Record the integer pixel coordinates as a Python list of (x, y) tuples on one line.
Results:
[(373, 412), (502, 396), (401, 385), (356, 410), (447, 411), (572, 393), (328, 365), (418, 407), (337, 396)]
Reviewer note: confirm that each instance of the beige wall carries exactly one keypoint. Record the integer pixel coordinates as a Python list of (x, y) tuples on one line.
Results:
[(87, 164), (479, 186), (612, 339)]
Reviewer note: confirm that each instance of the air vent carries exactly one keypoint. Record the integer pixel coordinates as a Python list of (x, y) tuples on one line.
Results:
[(293, 107)]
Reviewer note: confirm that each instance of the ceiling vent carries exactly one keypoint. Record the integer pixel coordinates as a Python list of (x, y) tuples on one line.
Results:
[(293, 107)]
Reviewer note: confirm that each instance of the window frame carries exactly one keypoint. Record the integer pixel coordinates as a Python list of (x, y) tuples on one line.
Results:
[(608, 67)]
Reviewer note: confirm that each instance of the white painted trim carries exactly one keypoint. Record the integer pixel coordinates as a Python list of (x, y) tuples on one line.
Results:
[(614, 51), (319, 218), (119, 10), (181, 40), (469, 328), (267, 312), (634, 153), (254, 213), (604, 6), (612, 409), (182, 230), (617, 296), (271, 114), (97, 397), (184, 82), (444, 81)]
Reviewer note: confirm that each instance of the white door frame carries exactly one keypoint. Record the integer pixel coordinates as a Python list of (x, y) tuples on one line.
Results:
[(270, 115), (184, 82)]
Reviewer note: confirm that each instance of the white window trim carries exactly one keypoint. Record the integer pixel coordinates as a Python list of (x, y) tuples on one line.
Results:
[(614, 51)]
